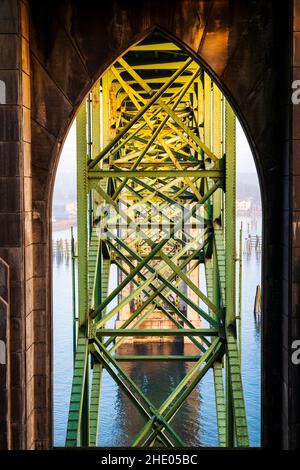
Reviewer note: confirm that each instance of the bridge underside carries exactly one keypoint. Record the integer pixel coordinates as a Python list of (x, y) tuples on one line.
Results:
[(55, 52), (156, 198)]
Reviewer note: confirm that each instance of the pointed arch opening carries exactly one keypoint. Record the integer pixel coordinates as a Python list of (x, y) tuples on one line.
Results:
[(156, 246)]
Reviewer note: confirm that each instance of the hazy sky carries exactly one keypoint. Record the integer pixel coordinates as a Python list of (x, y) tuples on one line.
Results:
[(245, 162)]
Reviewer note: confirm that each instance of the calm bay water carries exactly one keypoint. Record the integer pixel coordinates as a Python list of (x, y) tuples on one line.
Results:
[(119, 420)]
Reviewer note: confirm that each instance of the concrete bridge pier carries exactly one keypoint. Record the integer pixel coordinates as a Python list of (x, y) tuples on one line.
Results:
[(24, 236)]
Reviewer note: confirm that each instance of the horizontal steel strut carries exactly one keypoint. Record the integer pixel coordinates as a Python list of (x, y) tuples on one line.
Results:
[(156, 199)]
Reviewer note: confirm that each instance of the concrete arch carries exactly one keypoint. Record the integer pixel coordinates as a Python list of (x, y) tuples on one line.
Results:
[(70, 44)]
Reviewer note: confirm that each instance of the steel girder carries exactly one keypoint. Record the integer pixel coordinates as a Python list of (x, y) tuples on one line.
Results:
[(156, 197)]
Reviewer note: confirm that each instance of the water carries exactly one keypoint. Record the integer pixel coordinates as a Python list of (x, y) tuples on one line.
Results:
[(119, 419)]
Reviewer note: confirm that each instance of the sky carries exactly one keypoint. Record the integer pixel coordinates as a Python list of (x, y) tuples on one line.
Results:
[(245, 162)]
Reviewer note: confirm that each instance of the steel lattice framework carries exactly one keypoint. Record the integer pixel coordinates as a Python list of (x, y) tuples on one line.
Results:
[(156, 133)]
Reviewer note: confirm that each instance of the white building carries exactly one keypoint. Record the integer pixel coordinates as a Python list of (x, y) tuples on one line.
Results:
[(244, 205)]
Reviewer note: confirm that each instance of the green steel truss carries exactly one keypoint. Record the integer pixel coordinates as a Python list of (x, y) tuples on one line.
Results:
[(156, 133)]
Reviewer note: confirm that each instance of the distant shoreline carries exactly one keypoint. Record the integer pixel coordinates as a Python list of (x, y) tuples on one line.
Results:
[(63, 224)]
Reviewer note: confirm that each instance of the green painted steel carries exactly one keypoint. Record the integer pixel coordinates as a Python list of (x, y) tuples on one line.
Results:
[(82, 211), (93, 262), (156, 199), (73, 257), (236, 409), (95, 403), (77, 393)]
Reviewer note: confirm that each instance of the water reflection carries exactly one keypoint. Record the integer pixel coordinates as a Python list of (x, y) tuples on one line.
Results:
[(157, 380), (61, 251)]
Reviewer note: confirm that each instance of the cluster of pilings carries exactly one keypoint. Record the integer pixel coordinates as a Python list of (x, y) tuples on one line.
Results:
[(252, 243), (61, 250)]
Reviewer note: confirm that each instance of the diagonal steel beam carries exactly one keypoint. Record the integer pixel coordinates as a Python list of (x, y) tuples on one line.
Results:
[(137, 391), (174, 395), (147, 258), (154, 98)]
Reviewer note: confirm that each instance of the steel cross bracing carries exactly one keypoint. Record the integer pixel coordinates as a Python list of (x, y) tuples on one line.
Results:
[(156, 197)]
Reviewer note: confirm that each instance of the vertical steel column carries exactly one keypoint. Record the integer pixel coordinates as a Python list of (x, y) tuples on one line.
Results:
[(235, 396), (82, 211), (216, 125), (230, 255), (216, 212), (218, 224), (96, 147), (207, 110), (230, 226), (73, 258), (89, 155), (82, 222), (97, 367)]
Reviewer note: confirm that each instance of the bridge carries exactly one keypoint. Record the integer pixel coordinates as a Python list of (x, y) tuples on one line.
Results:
[(156, 93), (154, 202)]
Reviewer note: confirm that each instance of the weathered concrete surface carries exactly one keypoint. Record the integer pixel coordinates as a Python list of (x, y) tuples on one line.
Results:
[(247, 47)]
